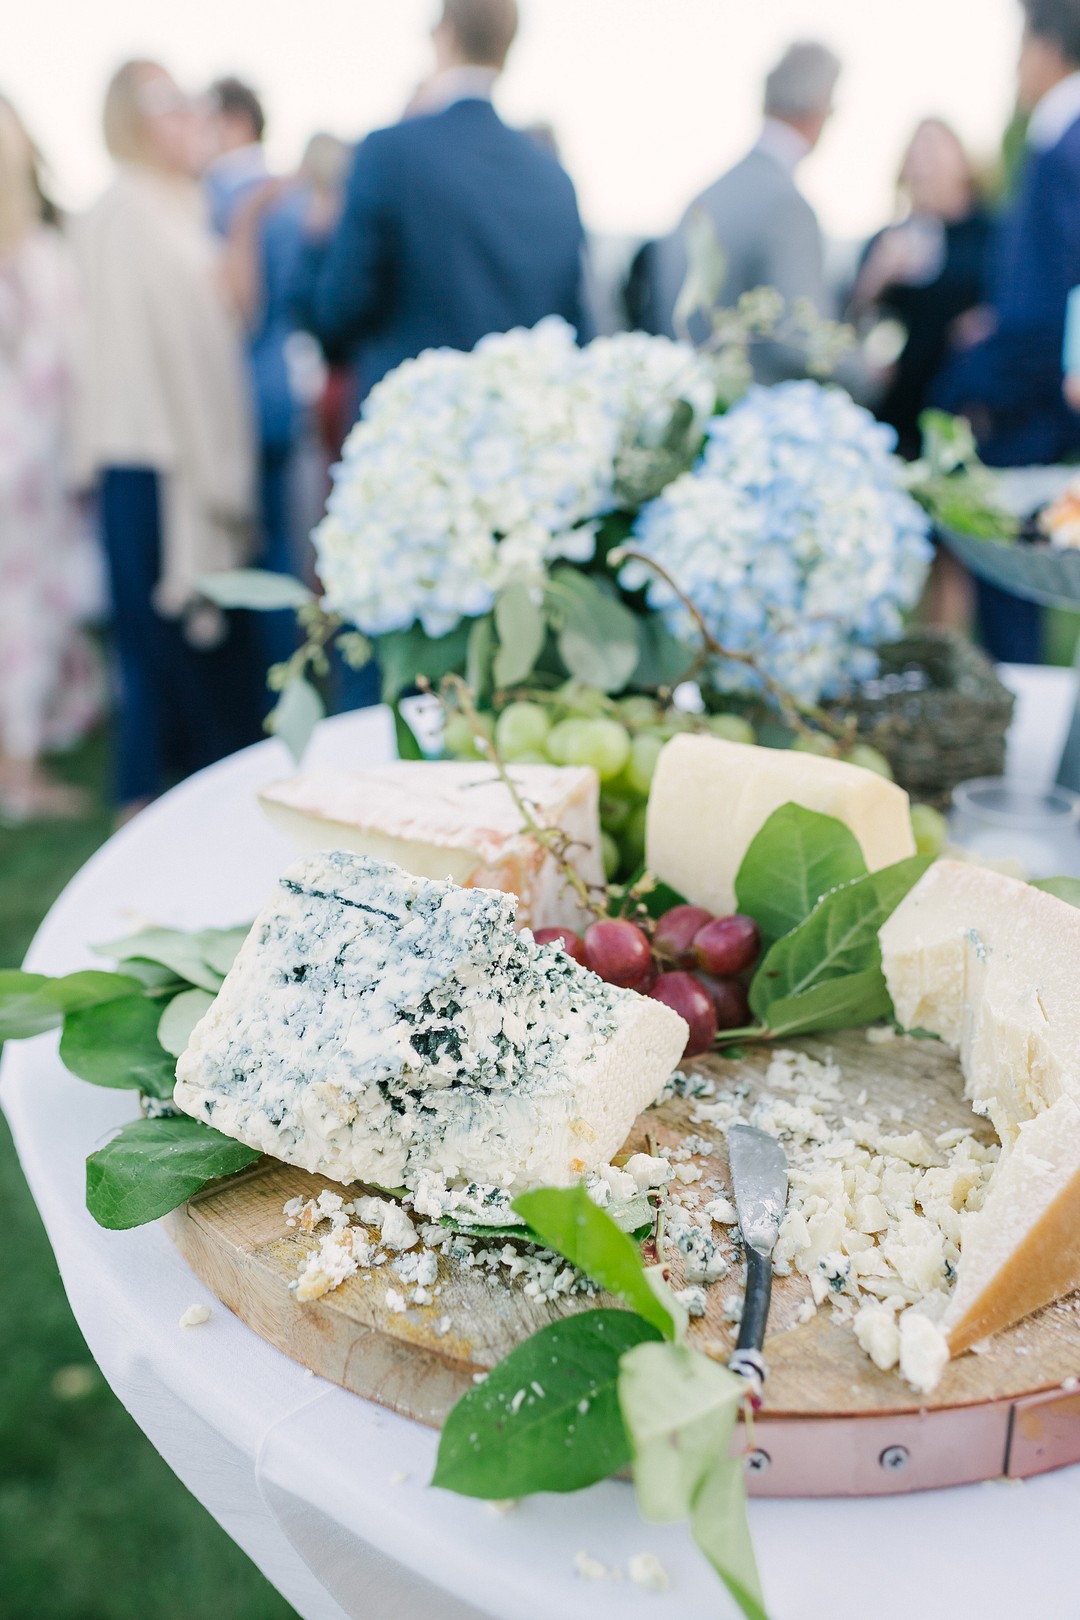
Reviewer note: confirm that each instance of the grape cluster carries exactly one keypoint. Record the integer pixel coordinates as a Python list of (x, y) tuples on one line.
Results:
[(695, 963)]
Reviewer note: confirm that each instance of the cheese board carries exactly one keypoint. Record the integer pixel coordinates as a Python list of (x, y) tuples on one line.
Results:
[(832, 1422)]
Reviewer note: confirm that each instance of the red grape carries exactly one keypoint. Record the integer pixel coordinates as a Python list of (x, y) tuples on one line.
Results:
[(572, 943), (649, 978), (675, 930), (727, 945), (685, 995), (730, 1000), (618, 951)]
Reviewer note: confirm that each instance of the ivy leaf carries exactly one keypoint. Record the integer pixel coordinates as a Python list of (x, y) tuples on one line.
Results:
[(521, 628), (185, 954), (255, 588), (295, 715), (547, 1417), (116, 1044), (405, 654), (719, 1527), (567, 1220), (180, 1017), (839, 937), (32, 1002), (795, 858), (155, 1165), (1063, 888), (844, 1003), (598, 638)]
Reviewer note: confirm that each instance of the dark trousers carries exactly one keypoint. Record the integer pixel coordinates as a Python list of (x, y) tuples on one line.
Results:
[(180, 707), (1009, 627), (277, 634)]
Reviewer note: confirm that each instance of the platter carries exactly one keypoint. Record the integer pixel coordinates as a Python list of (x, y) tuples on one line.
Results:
[(832, 1424)]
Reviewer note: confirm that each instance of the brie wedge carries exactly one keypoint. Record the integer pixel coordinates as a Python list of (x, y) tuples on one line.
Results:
[(447, 819), (380, 1027)]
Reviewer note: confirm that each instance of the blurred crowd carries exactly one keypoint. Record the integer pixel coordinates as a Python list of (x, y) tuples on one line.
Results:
[(180, 364)]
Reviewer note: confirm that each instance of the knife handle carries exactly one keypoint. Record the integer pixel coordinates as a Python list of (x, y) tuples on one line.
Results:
[(747, 1360)]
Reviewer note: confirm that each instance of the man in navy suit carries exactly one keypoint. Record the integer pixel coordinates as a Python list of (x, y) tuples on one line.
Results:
[(453, 225), (1010, 383)]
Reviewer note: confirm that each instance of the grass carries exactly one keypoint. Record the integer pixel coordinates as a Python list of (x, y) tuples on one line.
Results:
[(93, 1524)]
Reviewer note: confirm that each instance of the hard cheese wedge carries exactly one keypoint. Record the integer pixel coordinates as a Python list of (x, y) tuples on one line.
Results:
[(381, 1027), (445, 819), (993, 967), (709, 798)]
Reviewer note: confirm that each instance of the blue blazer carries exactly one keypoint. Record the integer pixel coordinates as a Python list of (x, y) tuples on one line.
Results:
[(453, 226), (1015, 375)]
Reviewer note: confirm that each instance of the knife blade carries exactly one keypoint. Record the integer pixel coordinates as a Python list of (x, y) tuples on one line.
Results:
[(759, 1178)]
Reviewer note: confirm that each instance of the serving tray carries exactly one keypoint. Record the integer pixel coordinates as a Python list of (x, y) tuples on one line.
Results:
[(832, 1425)]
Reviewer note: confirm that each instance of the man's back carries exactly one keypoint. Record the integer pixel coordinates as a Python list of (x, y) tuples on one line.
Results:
[(453, 226)]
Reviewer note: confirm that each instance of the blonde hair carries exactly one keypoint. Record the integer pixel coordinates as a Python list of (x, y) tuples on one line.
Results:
[(22, 205), (123, 119)]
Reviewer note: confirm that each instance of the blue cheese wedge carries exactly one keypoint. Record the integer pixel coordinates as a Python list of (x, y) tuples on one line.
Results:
[(450, 819), (381, 1027)]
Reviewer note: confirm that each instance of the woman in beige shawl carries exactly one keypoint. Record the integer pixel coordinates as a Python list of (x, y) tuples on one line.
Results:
[(163, 429)]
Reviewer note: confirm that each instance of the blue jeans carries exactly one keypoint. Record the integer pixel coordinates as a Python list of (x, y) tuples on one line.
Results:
[(1010, 628), (180, 707)]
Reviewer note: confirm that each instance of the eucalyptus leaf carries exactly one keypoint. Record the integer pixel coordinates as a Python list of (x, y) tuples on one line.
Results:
[(680, 1410), (295, 715), (839, 937), (31, 1003), (567, 1220), (521, 628), (663, 660), (408, 745), (598, 636), (155, 1165), (255, 588), (405, 654), (720, 1529), (795, 858), (116, 1044), (1062, 888), (845, 1003), (547, 1417), (180, 1017), (182, 952), (479, 655)]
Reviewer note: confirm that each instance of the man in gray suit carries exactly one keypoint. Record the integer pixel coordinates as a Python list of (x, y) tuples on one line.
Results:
[(767, 229)]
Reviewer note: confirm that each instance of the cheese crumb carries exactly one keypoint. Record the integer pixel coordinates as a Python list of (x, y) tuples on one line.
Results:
[(878, 1335), (591, 1569), (646, 1570), (195, 1316), (924, 1352), (394, 1300)]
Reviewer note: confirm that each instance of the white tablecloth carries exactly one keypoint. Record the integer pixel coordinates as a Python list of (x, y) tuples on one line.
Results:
[(302, 1474)]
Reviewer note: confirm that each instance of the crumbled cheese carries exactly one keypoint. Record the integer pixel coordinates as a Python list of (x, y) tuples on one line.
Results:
[(394, 1300), (693, 1299), (722, 1211), (591, 1569), (195, 1316), (646, 1570), (924, 1352)]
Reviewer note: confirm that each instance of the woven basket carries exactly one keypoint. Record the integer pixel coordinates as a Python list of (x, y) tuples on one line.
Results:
[(937, 711)]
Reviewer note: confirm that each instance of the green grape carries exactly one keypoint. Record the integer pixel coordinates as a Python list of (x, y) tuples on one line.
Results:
[(632, 841), (637, 712), (930, 828), (615, 811), (568, 740), (870, 760), (603, 744), (732, 728), (611, 854), (583, 701), (641, 766), (813, 742), (530, 756), (521, 728), (458, 738)]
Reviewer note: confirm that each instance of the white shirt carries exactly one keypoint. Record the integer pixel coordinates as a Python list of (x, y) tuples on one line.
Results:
[(456, 84), (1055, 114), (783, 144)]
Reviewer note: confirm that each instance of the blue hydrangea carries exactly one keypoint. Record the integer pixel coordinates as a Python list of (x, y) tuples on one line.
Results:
[(794, 538)]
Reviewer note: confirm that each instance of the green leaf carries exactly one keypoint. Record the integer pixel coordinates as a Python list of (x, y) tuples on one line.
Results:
[(706, 270), (155, 1165), (657, 899), (663, 660), (680, 1410), (256, 588), (180, 1017), (839, 937), (31, 1002), (598, 638), (547, 1418), (719, 1527), (1063, 888), (844, 1003), (405, 654), (521, 628), (116, 1044), (567, 1220), (795, 858), (408, 746), (152, 975), (479, 655), (220, 946), (295, 715), (184, 953)]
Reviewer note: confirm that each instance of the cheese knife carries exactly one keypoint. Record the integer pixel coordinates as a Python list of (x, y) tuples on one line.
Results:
[(760, 1180)]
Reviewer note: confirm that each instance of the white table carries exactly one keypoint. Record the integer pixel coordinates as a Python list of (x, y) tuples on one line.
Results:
[(301, 1474)]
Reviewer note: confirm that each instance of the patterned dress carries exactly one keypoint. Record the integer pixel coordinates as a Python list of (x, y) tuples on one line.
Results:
[(50, 680)]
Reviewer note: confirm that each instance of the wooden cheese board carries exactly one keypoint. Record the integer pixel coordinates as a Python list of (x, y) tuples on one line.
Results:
[(832, 1423)]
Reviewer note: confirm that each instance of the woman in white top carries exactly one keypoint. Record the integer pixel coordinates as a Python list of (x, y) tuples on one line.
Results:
[(163, 429), (50, 684)]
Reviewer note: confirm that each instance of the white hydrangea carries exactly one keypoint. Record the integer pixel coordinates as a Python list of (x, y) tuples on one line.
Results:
[(793, 538)]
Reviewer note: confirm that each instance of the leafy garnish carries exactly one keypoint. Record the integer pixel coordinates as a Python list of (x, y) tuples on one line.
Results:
[(547, 1417), (720, 1529), (184, 953), (154, 1165), (796, 857), (567, 1220), (180, 1017), (31, 1003), (844, 1003), (116, 1044), (1062, 888)]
